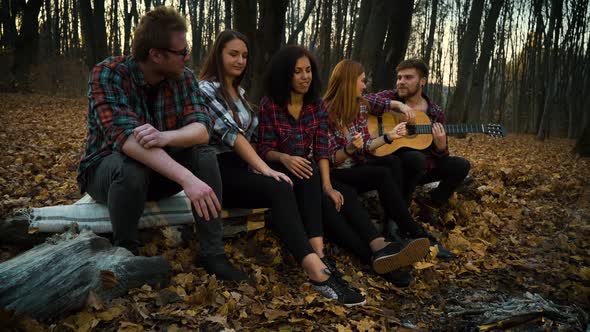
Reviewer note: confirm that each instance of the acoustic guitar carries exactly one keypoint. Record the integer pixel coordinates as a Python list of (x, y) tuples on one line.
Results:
[(420, 134)]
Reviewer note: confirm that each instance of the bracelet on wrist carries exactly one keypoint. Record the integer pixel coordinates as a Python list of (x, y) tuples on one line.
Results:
[(386, 139)]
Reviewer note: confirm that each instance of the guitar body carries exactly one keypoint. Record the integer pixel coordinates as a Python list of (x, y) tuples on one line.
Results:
[(389, 121)]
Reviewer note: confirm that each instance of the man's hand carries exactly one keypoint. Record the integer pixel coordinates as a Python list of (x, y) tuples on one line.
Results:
[(336, 197), (439, 136), (277, 175), (299, 166), (148, 136), (405, 109), (203, 198)]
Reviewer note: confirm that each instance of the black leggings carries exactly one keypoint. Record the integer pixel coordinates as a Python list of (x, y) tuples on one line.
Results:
[(351, 228), (244, 189), (364, 178)]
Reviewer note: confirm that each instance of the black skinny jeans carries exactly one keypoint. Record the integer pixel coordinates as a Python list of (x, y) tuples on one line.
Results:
[(244, 189), (351, 228), (124, 185), (364, 178)]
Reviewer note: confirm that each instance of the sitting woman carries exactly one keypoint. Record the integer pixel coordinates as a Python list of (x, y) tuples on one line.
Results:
[(293, 136), (247, 180), (351, 145)]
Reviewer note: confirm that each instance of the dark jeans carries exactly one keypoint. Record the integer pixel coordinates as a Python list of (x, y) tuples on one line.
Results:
[(351, 228), (449, 170), (308, 193), (368, 177), (124, 185), (244, 189)]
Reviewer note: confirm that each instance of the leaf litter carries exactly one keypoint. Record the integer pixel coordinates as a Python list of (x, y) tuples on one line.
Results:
[(520, 226)]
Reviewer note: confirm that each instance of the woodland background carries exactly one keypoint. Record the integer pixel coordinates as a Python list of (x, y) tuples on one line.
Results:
[(525, 64), (520, 226)]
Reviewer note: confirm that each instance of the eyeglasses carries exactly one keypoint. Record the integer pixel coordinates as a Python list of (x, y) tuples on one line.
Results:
[(182, 52)]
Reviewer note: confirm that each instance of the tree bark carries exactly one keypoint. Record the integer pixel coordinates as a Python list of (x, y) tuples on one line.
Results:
[(53, 279), (374, 35), (309, 7), (467, 56), (26, 45), (488, 44), (431, 31), (361, 24), (396, 44)]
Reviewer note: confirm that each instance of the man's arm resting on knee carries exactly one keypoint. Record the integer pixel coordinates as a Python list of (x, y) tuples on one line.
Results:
[(192, 134), (200, 194)]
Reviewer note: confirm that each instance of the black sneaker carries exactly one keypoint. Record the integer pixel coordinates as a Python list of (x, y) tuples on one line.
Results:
[(399, 278), (396, 255), (222, 268), (337, 289), (331, 264)]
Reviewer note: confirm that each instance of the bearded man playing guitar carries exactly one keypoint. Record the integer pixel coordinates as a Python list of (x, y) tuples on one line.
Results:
[(434, 162)]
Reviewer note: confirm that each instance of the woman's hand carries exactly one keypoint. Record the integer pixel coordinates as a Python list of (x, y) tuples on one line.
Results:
[(356, 143), (398, 131), (336, 197), (271, 173), (299, 166)]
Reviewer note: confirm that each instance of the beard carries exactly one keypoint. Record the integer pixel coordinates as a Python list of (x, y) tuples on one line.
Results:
[(409, 91)]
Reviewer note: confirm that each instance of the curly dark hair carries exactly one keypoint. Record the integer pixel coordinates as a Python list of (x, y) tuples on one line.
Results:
[(279, 75)]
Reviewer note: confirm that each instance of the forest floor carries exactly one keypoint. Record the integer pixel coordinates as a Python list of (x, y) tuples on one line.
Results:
[(520, 226)]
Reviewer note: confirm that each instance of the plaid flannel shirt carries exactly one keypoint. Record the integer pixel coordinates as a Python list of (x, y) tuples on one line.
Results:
[(337, 141), (118, 103), (380, 102), (305, 137), (225, 129)]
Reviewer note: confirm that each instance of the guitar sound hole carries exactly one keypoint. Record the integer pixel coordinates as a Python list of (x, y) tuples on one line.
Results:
[(411, 129)]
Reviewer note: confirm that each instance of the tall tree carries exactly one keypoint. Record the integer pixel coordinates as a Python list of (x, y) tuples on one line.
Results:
[(488, 44), (431, 30), (373, 36), (466, 61), (396, 44), (26, 45), (94, 31)]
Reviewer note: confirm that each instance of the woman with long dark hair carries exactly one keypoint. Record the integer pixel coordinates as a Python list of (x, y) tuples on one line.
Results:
[(247, 180)]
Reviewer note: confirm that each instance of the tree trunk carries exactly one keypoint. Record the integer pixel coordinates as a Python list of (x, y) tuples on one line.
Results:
[(309, 6), (474, 102), (396, 44), (361, 24), (431, 30), (325, 41), (374, 35), (270, 33), (227, 16), (55, 278), (26, 45), (100, 38), (583, 143), (245, 22), (467, 56)]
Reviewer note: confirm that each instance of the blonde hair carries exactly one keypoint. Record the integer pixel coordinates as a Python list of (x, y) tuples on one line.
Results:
[(341, 97)]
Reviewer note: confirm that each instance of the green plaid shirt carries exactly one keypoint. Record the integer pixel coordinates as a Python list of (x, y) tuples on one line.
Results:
[(118, 102)]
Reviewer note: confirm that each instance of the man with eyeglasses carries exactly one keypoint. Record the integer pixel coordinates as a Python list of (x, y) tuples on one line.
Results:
[(148, 129)]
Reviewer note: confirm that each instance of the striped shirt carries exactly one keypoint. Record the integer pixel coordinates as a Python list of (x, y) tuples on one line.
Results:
[(119, 100)]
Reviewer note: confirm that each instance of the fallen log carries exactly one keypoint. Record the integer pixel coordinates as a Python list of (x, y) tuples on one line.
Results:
[(58, 276)]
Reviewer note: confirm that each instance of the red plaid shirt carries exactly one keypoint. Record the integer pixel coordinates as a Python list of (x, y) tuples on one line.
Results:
[(305, 137), (337, 141), (380, 102)]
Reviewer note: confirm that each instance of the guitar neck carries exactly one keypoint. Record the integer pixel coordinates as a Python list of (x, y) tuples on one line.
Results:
[(452, 128)]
